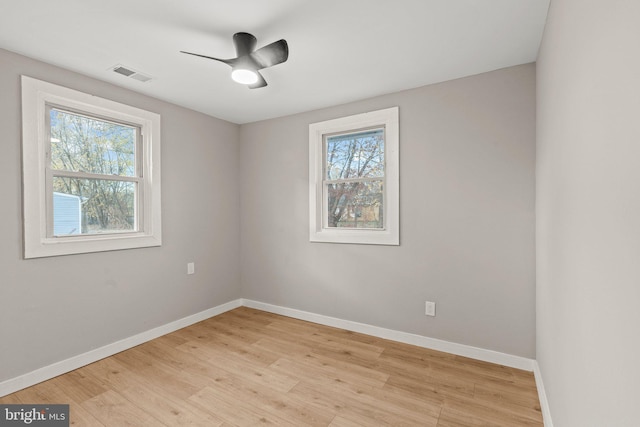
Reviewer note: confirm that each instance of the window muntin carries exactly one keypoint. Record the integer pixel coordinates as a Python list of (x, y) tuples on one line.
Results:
[(354, 179), (97, 190)]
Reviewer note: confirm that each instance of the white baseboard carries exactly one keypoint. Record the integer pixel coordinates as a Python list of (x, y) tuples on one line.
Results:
[(18, 383), (491, 356), (542, 396), (75, 362)]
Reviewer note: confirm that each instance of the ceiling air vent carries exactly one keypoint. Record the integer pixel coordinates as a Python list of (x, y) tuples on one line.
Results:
[(131, 73)]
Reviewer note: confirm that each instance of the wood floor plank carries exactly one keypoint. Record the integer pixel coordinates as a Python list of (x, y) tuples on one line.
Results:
[(78, 386), (46, 392), (283, 405), (492, 393), (278, 346), (340, 421), (80, 417), (433, 387), (247, 367), (236, 412), (168, 411), (358, 406), (11, 399), (109, 373), (236, 343), (156, 374), (112, 409), (157, 402), (236, 366), (344, 346), (420, 406), (337, 372), (473, 413)]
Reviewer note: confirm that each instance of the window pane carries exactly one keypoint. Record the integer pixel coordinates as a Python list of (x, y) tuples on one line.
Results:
[(355, 155), (83, 144), (90, 206), (355, 205)]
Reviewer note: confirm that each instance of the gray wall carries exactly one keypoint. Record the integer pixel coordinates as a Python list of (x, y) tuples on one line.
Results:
[(588, 212), (467, 150), (55, 308), (235, 201)]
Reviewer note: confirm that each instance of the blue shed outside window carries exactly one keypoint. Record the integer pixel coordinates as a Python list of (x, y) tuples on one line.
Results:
[(67, 214)]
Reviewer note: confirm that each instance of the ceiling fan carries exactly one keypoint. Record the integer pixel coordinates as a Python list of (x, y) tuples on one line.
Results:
[(245, 67)]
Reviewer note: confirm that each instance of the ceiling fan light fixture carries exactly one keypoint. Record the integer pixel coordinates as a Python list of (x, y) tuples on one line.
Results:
[(247, 65), (244, 76)]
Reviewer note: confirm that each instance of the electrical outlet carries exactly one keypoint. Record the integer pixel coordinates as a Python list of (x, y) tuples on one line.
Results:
[(191, 268), (430, 308)]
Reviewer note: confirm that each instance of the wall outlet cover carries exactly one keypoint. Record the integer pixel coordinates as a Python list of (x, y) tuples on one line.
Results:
[(430, 308)]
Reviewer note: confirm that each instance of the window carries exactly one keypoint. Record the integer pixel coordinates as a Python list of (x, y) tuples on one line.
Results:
[(354, 179), (91, 172)]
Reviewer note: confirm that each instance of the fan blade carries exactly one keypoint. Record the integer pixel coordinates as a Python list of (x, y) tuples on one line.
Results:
[(226, 61), (245, 43), (272, 54), (260, 83)]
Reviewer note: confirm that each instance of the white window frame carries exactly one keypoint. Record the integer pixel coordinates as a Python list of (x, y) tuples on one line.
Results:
[(36, 96), (390, 233)]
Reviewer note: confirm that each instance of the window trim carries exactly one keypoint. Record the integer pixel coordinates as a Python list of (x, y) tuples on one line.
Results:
[(36, 96), (390, 233)]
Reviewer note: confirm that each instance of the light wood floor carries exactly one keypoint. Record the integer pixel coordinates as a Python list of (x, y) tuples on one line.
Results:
[(247, 367)]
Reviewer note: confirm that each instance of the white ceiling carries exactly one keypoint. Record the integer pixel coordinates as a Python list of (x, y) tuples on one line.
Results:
[(340, 50)]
